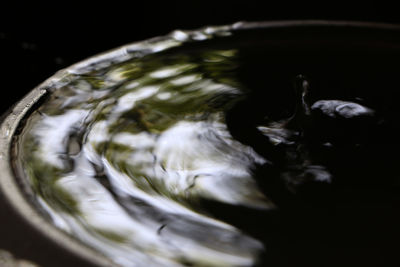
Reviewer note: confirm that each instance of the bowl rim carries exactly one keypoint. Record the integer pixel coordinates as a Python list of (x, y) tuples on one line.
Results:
[(10, 185)]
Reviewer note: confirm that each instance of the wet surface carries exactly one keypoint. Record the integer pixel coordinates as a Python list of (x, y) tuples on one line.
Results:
[(230, 153)]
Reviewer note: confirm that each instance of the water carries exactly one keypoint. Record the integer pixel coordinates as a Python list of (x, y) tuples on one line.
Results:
[(205, 155)]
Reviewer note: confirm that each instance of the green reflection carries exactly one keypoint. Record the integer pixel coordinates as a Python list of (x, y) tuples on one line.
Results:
[(111, 235), (121, 176), (44, 179)]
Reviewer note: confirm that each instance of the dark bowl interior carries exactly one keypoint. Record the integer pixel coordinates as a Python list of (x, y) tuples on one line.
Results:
[(355, 223)]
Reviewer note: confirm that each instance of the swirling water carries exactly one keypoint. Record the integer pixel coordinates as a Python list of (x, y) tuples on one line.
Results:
[(120, 158), (154, 157)]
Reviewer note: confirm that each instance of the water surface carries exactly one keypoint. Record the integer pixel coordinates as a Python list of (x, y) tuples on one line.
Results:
[(182, 154)]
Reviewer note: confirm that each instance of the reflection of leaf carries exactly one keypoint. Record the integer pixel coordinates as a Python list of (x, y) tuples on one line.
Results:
[(110, 235), (220, 66), (125, 71), (44, 180), (190, 84), (142, 118), (145, 96), (62, 199)]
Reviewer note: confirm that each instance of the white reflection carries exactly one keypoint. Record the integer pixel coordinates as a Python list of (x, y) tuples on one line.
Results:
[(52, 134), (195, 156), (132, 85), (127, 101), (180, 36), (164, 96), (137, 141), (345, 109), (186, 79), (199, 36), (136, 189), (162, 45), (170, 71)]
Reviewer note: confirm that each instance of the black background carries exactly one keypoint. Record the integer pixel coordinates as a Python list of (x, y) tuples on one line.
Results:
[(36, 40)]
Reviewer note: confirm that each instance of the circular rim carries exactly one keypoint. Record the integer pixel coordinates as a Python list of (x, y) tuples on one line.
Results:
[(10, 187)]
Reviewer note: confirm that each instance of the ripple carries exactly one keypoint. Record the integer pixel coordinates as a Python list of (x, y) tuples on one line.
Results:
[(123, 161)]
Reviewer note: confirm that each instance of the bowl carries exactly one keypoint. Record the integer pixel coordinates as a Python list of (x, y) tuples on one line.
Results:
[(351, 62)]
